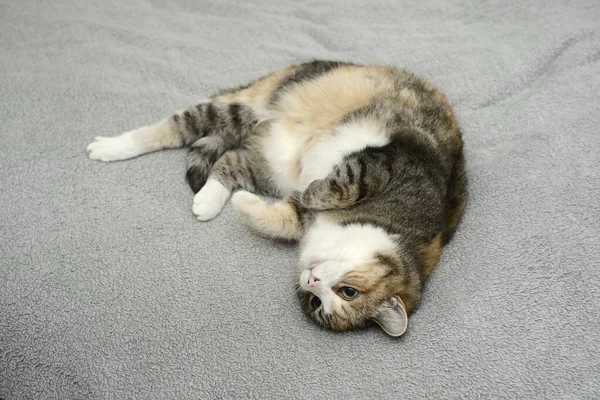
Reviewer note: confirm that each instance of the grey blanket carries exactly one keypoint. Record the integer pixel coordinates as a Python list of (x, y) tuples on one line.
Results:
[(111, 289)]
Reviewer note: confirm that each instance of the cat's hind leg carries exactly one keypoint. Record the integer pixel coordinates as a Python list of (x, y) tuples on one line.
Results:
[(131, 144), (280, 220), (232, 122)]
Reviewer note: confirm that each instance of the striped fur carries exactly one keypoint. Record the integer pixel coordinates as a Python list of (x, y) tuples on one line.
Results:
[(367, 162)]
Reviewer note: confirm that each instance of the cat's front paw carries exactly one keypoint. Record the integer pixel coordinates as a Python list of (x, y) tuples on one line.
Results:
[(112, 148), (209, 201)]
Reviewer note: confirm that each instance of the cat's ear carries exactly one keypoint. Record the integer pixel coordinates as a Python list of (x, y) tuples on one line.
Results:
[(391, 316)]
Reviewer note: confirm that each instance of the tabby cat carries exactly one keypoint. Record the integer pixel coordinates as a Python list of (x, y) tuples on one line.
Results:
[(368, 165)]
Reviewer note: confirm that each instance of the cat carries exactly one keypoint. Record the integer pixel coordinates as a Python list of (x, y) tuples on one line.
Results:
[(366, 161)]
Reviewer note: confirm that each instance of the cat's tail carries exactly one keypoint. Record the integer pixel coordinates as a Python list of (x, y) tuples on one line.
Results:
[(201, 158), (457, 199)]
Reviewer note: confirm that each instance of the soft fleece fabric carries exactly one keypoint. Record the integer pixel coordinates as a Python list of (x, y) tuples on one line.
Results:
[(111, 289)]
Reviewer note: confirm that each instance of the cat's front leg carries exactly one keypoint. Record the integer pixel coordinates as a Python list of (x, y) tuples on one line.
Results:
[(209, 201), (361, 175), (281, 220)]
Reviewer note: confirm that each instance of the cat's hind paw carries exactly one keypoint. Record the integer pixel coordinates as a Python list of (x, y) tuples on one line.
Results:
[(112, 148), (209, 201)]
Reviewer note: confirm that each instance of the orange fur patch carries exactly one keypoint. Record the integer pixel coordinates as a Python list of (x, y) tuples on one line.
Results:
[(432, 253), (365, 278), (257, 96), (317, 105)]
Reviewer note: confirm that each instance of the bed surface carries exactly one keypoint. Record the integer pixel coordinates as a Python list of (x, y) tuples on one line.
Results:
[(111, 289)]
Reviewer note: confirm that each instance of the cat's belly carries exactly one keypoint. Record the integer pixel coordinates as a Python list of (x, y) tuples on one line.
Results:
[(298, 158)]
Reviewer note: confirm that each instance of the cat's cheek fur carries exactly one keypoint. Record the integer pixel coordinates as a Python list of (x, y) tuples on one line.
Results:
[(209, 201)]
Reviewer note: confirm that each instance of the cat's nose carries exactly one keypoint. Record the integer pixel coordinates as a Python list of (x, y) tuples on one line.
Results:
[(312, 280)]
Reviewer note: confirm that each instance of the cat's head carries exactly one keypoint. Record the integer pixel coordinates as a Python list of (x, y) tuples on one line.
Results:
[(356, 279)]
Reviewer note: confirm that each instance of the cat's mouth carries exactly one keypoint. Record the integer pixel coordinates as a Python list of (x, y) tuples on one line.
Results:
[(318, 287)]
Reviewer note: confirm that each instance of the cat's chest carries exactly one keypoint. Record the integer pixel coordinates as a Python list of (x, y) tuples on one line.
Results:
[(297, 157)]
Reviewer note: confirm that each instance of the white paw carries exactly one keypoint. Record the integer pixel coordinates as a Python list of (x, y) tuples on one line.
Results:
[(209, 201), (113, 148)]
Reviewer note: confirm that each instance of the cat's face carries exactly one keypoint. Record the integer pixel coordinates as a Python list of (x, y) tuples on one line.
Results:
[(341, 295)]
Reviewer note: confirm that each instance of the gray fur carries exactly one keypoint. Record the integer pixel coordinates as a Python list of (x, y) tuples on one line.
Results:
[(228, 125)]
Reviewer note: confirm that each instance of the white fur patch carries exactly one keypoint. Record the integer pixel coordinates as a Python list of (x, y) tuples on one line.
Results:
[(114, 148), (297, 158), (353, 243), (209, 201), (282, 150), (320, 159)]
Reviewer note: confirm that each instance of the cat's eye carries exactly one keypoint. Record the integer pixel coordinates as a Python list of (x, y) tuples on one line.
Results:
[(348, 292), (315, 302)]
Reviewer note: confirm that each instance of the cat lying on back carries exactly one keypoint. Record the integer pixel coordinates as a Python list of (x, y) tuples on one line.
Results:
[(367, 162)]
